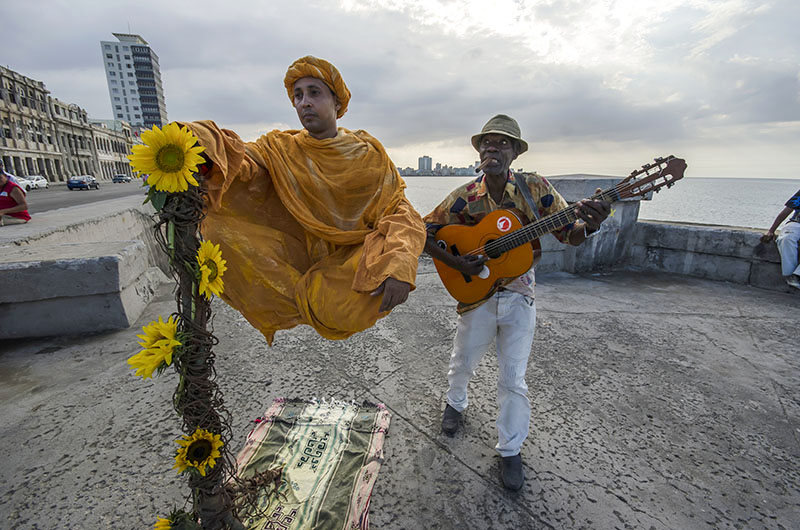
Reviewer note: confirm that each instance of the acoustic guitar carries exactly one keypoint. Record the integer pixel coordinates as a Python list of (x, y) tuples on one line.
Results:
[(513, 247)]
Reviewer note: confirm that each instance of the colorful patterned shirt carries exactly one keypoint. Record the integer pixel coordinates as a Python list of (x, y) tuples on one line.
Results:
[(471, 202), (794, 202)]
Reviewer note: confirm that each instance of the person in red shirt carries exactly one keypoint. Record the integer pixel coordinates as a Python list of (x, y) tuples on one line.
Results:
[(13, 206)]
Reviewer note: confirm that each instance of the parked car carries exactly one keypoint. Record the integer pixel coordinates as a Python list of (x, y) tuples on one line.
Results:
[(120, 178), (24, 183), (82, 182), (38, 181)]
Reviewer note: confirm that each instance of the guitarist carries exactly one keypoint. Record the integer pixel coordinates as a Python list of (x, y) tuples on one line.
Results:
[(509, 315)]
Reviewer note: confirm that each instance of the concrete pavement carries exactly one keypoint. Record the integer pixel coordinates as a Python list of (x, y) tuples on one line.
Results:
[(659, 402)]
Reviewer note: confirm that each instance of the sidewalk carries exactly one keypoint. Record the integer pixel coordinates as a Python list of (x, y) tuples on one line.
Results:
[(659, 402)]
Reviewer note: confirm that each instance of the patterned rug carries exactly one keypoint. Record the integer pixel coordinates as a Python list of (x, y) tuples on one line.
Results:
[(330, 453)]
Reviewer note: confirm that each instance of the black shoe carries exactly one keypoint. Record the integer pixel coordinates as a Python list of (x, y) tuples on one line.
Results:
[(450, 420), (511, 472)]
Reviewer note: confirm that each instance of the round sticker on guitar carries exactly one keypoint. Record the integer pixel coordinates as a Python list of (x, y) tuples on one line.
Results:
[(504, 224)]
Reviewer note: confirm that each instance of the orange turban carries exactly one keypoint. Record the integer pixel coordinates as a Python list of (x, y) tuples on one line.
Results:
[(310, 66)]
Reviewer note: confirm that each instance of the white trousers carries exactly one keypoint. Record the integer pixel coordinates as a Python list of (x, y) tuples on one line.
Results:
[(510, 318), (787, 246)]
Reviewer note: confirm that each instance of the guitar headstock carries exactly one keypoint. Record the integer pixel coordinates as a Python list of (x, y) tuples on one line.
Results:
[(663, 171)]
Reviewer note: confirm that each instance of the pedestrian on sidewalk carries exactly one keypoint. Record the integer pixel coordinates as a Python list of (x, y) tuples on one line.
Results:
[(13, 206), (788, 239)]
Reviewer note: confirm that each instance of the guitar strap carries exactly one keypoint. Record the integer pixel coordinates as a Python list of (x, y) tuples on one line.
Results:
[(526, 192)]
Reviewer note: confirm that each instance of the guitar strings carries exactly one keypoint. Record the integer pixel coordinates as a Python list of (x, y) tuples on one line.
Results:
[(552, 222), (507, 242)]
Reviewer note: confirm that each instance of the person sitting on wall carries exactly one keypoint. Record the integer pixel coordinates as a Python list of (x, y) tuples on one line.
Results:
[(788, 240), (13, 206)]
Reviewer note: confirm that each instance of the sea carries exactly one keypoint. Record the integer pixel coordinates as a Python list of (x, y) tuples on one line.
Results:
[(740, 202)]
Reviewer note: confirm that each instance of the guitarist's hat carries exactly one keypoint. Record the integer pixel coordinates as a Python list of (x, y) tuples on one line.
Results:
[(501, 124)]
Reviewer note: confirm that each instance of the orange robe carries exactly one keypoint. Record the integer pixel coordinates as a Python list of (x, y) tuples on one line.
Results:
[(309, 228)]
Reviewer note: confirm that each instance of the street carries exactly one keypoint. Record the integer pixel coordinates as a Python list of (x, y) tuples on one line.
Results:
[(58, 196)]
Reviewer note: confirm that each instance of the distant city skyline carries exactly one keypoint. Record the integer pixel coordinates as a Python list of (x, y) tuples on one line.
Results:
[(425, 167)]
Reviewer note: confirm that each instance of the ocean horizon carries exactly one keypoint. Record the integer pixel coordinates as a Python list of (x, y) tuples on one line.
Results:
[(729, 201)]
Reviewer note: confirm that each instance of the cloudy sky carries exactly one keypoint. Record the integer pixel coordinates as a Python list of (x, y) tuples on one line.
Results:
[(598, 86)]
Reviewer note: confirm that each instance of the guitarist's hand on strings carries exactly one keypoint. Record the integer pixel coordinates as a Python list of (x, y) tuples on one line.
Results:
[(468, 264)]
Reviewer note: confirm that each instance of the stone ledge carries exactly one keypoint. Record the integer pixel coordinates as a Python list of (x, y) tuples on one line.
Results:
[(79, 269), (743, 243), (712, 252), (77, 224), (78, 315)]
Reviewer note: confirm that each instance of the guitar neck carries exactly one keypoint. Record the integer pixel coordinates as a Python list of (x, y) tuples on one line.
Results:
[(650, 178), (545, 225)]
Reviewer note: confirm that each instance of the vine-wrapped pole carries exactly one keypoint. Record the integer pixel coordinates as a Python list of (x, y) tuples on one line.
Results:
[(197, 398)]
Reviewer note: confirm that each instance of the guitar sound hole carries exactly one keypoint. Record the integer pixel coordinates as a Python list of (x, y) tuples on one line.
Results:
[(493, 253)]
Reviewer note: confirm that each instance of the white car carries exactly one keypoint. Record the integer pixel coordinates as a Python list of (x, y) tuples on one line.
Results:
[(24, 183), (38, 181)]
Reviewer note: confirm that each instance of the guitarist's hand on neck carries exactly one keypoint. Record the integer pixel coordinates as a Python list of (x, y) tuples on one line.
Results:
[(592, 213)]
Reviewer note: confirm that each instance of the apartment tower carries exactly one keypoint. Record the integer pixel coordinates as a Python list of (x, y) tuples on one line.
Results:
[(134, 81)]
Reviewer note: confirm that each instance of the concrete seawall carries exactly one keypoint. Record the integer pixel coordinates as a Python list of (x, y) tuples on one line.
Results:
[(722, 253), (79, 270), (707, 251), (112, 248)]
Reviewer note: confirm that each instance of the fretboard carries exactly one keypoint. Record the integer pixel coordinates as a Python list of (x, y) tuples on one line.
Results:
[(545, 225)]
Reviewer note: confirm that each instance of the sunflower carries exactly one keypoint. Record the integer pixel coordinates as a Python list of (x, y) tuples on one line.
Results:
[(158, 344), (169, 156), (177, 520), (212, 267), (197, 451)]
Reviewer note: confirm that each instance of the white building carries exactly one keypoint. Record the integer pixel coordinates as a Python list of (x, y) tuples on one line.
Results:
[(425, 163), (73, 134), (112, 140), (28, 139), (134, 81)]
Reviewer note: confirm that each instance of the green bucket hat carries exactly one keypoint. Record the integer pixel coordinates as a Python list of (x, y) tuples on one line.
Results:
[(501, 124)]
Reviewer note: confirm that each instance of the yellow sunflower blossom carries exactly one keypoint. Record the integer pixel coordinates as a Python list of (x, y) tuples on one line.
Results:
[(158, 344), (198, 451), (177, 520), (212, 267), (170, 156)]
